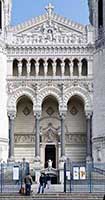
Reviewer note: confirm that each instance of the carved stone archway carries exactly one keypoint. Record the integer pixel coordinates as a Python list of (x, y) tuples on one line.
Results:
[(78, 91), (49, 91), (13, 99)]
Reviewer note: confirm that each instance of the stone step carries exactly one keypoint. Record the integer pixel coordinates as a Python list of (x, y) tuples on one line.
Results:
[(60, 196)]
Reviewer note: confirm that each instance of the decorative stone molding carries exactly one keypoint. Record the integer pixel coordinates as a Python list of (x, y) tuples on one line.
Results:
[(49, 90), (11, 114), (24, 138), (81, 92), (13, 99), (75, 139), (43, 18)]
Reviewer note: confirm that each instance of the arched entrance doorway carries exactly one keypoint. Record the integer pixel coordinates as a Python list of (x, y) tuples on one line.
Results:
[(75, 124), (24, 130), (50, 154), (50, 128)]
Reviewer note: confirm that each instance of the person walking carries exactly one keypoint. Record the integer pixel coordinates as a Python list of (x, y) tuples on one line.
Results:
[(28, 182), (41, 184)]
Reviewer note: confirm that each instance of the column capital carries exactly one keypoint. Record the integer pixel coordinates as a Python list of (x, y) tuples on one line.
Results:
[(37, 114), (62, 114), (11, 115), (88, 114)]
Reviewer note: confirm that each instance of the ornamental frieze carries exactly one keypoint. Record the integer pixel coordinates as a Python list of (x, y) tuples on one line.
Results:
[(24, 138), (49, 50), (12, 84), (75, 138)]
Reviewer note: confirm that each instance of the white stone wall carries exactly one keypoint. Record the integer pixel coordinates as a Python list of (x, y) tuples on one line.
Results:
[(99, 106), (3, 108)]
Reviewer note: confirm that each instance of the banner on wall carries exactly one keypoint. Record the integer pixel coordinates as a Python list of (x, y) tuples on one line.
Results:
[(82, 173), (68, 175), (15, 173), (76, 173)]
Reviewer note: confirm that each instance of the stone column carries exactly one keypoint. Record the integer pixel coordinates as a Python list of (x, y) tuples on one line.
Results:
[(45, 68), (37, 146), (80, 68), (63, 68), (63, 157), (71, 68), (37, 135), (28, 68), (37, 67), (11, 136), (62, 118), (54, 68), (90, 67), (88, 131), (20, 68)]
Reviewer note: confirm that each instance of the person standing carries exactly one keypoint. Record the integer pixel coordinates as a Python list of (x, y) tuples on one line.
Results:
[(28, 182), (41, 184), (48, 181)]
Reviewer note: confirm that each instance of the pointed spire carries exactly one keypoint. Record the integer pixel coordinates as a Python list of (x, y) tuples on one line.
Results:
[(49, 9)]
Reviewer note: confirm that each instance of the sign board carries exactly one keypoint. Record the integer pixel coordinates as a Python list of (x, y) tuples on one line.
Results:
[(15, 173), (76, 173), (82, 173), (68, 175)]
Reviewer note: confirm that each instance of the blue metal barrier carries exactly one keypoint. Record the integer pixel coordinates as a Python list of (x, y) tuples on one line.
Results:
[(93, 179)]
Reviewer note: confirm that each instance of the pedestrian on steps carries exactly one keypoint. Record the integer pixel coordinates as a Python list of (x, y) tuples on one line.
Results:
[(28, 182), (41, 183)]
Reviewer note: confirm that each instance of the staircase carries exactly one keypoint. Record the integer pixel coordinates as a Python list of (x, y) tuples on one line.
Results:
[(59, 196), (55, 192)]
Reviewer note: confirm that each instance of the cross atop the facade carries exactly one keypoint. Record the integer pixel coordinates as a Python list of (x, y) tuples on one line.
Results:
[(49, 9)]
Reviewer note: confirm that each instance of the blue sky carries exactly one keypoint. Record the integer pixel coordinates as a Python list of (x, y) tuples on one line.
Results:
[(76, 10)]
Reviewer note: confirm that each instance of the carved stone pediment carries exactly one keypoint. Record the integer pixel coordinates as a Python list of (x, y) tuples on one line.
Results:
[(48, 28)]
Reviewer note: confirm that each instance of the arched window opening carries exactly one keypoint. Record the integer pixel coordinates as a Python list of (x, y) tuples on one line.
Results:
[(15, 67), (0, 14), (41, 67), (32, 70), (75, 68), (24, 67), (58, 67), (50, 68), (67, 67), (84, 67), (100, 13)]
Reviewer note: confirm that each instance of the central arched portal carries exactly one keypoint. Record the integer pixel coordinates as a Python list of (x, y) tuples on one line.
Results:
[(50, 128)]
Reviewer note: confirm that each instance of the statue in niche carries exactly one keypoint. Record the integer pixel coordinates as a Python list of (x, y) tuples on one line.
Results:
[(50, 135), (50, 164)]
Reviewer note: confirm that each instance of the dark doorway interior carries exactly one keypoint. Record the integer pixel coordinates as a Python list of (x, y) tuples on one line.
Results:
[(50, 154)]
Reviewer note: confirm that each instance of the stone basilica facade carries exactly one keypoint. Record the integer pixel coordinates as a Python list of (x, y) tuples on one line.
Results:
[(46, 87)]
